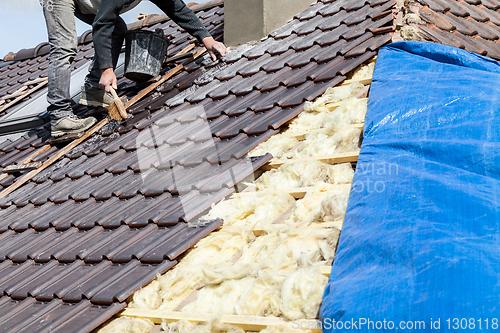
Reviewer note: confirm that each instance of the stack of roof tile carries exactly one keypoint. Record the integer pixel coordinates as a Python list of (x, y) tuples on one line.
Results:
[(91, 229)]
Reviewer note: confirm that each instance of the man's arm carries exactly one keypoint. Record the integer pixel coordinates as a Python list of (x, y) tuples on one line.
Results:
[(186, 19), (102, 29)]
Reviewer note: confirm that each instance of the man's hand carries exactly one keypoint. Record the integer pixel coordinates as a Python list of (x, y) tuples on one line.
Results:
[(108, 78), (214, 48)]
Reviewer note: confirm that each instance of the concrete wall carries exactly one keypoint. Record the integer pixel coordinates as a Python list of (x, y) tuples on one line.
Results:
[(250, 20)]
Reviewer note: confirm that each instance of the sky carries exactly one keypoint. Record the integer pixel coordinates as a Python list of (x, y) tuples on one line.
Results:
[(22, 24)]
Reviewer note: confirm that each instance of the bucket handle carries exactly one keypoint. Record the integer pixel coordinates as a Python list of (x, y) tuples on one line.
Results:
[(160, 33)]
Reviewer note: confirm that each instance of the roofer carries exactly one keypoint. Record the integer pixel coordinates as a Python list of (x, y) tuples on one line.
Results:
[(108, 34)]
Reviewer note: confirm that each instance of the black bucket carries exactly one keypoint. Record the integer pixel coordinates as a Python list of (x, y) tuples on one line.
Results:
[(145, 52)]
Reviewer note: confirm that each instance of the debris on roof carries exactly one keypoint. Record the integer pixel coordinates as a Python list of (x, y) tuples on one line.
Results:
[(473, 25)]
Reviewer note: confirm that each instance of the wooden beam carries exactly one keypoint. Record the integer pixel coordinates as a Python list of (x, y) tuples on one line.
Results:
[(247, 323), (29, 158), (325, 270), (259, 231), (40, 79), (18, 92), (297, 193), (364, 80), (25, 94), (21, 181), (331, 159)]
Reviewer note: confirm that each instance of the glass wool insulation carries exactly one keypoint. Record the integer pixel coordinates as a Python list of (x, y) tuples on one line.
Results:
[(259, 210), (301, 173), (128, 325)]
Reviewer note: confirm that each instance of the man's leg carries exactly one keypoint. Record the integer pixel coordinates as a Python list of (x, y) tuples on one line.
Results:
[(60, 21), (61, 29), (92, 93)]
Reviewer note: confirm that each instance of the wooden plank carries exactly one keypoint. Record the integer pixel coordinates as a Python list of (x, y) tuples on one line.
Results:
[(258, 231), (364, 80), (331, 159), (18, 92), (22, 167), (32, 82), (247, 323), (325, 270), (165, 77), (302, 136), (297, 193), (52, 159), (29, 158), (26, 93)]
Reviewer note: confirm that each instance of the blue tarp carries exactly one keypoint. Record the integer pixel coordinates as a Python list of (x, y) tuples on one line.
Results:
[(421, 237)]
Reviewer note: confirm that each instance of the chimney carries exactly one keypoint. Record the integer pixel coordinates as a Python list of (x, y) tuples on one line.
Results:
[(250, 20)]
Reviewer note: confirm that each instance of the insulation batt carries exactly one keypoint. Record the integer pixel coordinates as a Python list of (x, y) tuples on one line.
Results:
[(302, 292), (218, 248), (281, 250), (219, 299), (320, 204), (300, 173), (351, 111), (168, 290), (262, 209), (128, 325), (213, 326), (277, 145), (333, 95), (320, 144), (364, 71)]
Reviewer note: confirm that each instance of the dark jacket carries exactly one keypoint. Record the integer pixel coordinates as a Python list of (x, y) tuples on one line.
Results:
[(109, 10)]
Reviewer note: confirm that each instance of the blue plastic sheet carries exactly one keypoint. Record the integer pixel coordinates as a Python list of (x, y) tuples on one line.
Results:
[(420, 246)]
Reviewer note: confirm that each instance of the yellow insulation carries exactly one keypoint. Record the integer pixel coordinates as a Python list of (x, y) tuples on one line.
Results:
[(302, 292), (281, 250), (364, 71), (317, 204), (213, 326), (333, 95), (320, 144), (301, 173), (218, 248), (260, 210), (279, 146), (128, 325)]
